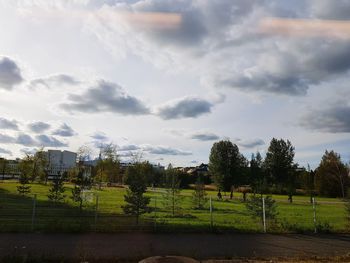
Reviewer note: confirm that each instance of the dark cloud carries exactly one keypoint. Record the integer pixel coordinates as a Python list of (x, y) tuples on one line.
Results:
[(39, 126), (99, 136), (188, 107), (26, 140), (5, 151), (49, 141), (250, 143), (7, 139), (333, 119), (10, 74), (205, 136), (163, 150), (129, 147), (8, 124), (64, 131), (330, 9), (105, 97), (54, 81), (29, 141)]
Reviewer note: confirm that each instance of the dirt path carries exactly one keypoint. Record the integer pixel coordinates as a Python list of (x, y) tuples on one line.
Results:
[(200, 246)]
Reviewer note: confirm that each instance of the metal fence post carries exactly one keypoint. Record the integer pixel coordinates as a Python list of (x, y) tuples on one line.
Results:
[(96, 212), (155, 213), (211, 213), (33, 213), (263, 210), (314, 208)]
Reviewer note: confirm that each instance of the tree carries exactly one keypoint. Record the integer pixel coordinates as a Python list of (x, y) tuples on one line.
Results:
[(25, 168), (279, 163), (226, 164), (258, 180), (199, 196), (172, 197), (332, 176), (108, 167), (255, 207), (3, 167), (40, 166), (136, 203), (56, 192), (308, 182), (81, 178)]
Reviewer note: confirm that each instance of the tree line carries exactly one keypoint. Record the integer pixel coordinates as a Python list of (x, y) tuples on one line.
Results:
[(277, 172)]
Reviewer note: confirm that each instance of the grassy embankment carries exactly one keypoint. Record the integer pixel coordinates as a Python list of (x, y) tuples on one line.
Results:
[(228, 215)]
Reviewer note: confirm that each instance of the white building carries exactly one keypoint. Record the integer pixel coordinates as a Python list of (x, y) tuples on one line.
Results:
[(60, 161)]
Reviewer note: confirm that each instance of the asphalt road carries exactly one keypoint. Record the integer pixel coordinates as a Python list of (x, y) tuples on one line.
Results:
[(200, 246)]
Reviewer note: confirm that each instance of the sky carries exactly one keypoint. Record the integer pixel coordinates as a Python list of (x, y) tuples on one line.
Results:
[(168, 78)]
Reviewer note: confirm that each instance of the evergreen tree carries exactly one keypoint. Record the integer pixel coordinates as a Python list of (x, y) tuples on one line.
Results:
[(136, 203), (255, 207), (199, 196), (25, 168), (56, 192), (172, 197), (82, 180)]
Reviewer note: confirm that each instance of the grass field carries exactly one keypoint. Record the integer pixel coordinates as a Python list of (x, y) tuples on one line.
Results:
[(228, 215)]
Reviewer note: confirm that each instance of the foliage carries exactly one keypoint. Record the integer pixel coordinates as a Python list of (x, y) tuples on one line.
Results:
[(254, 206), (136, 203), (82, 180), (199, 195), (279, 163), (332, 176), (3, 167), (172, 197), (25, 168), (226, 164), (56, 192), (258, 180)]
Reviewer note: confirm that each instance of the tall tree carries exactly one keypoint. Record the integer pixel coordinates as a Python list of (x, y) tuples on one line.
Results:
[(279, 163), (308, 181), (258, 180), (227, 165), (136, 202), (332, 175), (172, 196), (108, 166)]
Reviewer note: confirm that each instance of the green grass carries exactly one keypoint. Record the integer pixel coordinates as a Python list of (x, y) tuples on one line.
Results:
[(228, 215)]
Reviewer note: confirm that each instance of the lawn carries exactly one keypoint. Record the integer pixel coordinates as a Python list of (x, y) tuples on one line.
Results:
[(16, 213)]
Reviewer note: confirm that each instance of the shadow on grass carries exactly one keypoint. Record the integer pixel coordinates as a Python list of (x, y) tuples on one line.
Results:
[(18, 214)]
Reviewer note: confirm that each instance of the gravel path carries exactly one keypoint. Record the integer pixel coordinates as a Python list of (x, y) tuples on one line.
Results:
[(200, 246)]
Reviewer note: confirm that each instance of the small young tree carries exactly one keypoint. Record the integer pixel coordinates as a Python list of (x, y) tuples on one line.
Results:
[(25, 168), (172, 197), (81, 178), (254, 206), (56, 192), (136, 203), (199, 196)]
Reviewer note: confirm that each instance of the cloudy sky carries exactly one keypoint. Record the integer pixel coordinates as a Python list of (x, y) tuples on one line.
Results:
[(169, 78)]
